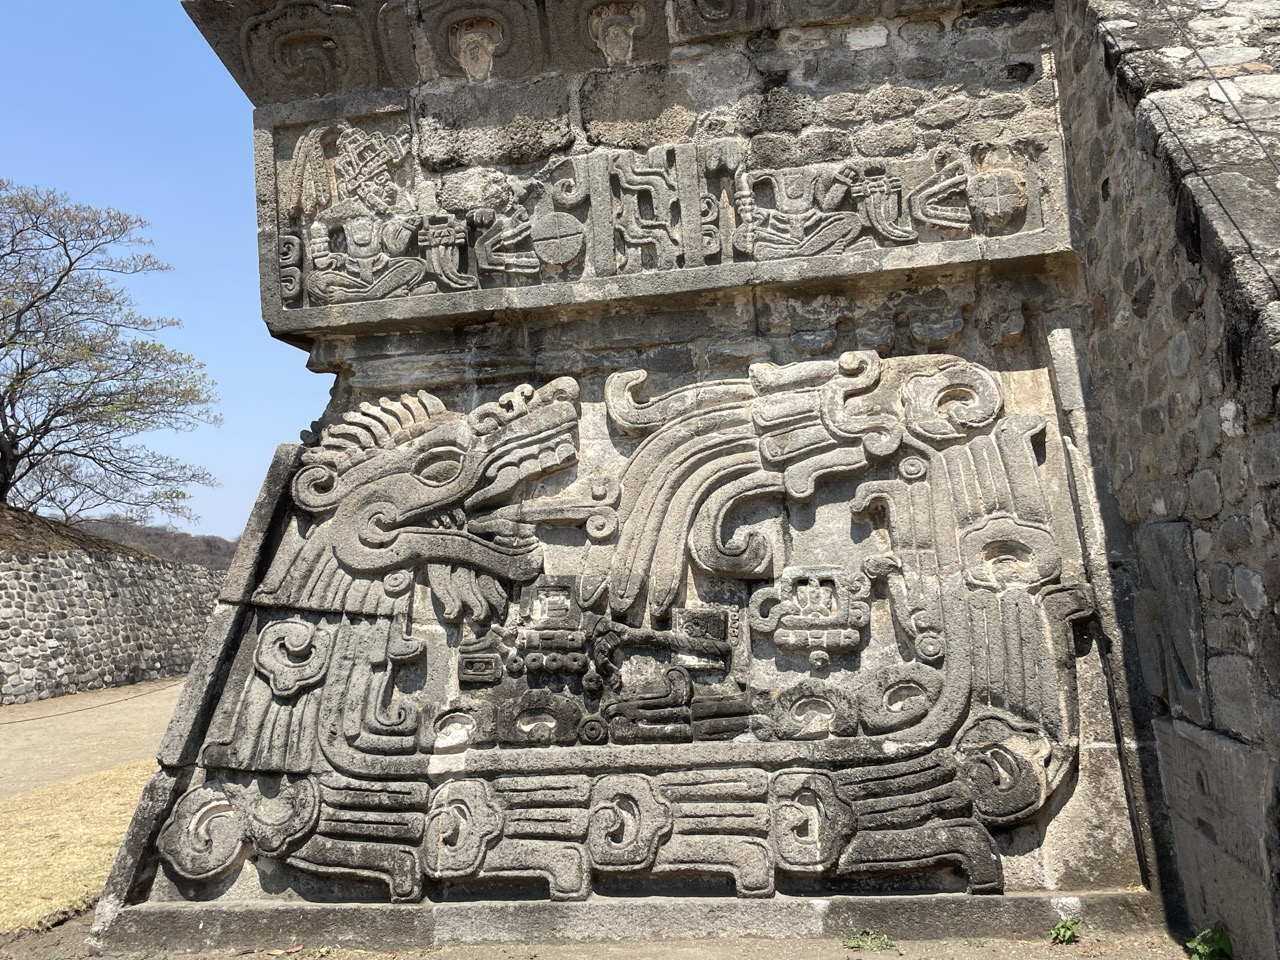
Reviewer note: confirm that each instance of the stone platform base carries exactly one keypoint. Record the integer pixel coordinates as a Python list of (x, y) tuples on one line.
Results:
[(207, 926)]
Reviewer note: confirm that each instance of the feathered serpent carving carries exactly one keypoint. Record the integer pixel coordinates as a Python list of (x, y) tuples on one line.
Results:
[(371, 427)]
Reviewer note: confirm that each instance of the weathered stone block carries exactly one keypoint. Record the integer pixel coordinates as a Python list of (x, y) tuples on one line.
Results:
[(522, 123), (1168, 623), (1222, 797)]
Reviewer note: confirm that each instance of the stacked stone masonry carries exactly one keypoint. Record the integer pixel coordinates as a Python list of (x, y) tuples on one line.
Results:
[(72, 621), (779, 450), (1172, 121)]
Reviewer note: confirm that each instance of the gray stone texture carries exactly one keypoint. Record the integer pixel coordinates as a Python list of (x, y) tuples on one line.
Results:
[(811, 154), (779, 450), (1176, 199), (71, 621), (1167, 621), (635, 920), (1221, 794)]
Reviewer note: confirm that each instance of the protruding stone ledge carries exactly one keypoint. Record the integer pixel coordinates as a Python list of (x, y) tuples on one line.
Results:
[(283, 50), (208, 926), (670, 288)]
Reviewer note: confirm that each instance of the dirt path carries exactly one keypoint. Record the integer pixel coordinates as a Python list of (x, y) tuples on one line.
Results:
[(54, 740)]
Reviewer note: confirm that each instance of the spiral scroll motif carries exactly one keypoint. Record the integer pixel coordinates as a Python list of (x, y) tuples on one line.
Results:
[(628, 822)]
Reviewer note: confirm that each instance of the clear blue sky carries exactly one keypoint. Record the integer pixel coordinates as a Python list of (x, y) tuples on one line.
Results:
[(123, 104)]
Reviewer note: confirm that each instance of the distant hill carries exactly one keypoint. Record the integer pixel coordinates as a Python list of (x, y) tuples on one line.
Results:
[(164, 542), (28, 533), (25, 533)]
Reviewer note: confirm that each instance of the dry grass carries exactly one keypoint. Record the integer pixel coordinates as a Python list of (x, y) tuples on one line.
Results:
[(26, 533), (60, 840)]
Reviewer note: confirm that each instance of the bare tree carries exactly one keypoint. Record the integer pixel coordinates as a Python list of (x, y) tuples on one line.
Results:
[(79, 380)]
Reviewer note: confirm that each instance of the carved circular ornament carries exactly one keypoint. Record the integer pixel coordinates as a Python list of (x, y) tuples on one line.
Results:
[(912, 468), (204, 836), (998, 199), (593, 731), (557, 238)]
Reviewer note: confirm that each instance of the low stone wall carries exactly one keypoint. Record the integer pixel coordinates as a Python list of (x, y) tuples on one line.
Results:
[(73, 621)]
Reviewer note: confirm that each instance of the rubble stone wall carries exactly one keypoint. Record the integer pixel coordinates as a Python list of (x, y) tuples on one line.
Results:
[(1171, 120), (72, 621)]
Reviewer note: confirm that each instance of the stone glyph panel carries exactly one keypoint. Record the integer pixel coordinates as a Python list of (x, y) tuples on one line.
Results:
[(480, 192), (813, 622), (363, 224)]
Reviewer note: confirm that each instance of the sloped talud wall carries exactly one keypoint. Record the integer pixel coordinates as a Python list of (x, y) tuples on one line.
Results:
[(71, 621), (1171, 115)]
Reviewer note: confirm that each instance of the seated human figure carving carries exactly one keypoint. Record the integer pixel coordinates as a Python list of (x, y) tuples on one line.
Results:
[(374, 223), (820, 209)]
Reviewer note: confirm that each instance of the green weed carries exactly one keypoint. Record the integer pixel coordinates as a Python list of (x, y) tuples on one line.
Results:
[(868, 940), (1065, 931), (1211, 944)]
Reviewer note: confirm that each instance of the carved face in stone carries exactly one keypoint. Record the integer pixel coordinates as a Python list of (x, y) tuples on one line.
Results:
[(379, 191), (362, 236), (613, 28), (406, 482), (473, 44)]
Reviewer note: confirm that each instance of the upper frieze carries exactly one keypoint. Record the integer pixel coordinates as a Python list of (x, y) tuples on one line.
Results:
[(281, 51)]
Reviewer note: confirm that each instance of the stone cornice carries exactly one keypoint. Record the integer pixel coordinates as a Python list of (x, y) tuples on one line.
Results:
[(288, 50)]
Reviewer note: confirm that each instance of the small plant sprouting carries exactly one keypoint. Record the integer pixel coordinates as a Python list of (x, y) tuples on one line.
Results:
[(1065, 931), (974, 942), (1211, 944), (867, 940)]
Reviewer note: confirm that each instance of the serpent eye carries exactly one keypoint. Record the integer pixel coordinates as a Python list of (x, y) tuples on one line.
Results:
[(438, 465)]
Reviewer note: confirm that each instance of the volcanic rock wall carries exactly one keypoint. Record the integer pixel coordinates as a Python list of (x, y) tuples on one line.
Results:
[(1171, 115), (72, 621)]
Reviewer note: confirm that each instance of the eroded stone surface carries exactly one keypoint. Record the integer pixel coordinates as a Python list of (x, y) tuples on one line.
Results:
[(1175, 188), (431, 687), (706, 503), (510, 182)]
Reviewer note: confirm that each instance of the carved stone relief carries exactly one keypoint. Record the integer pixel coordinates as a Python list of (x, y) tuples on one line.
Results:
[(667, 618), (613, 33), (497, 39), (502, 643), (293, 49), (356, 204)]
